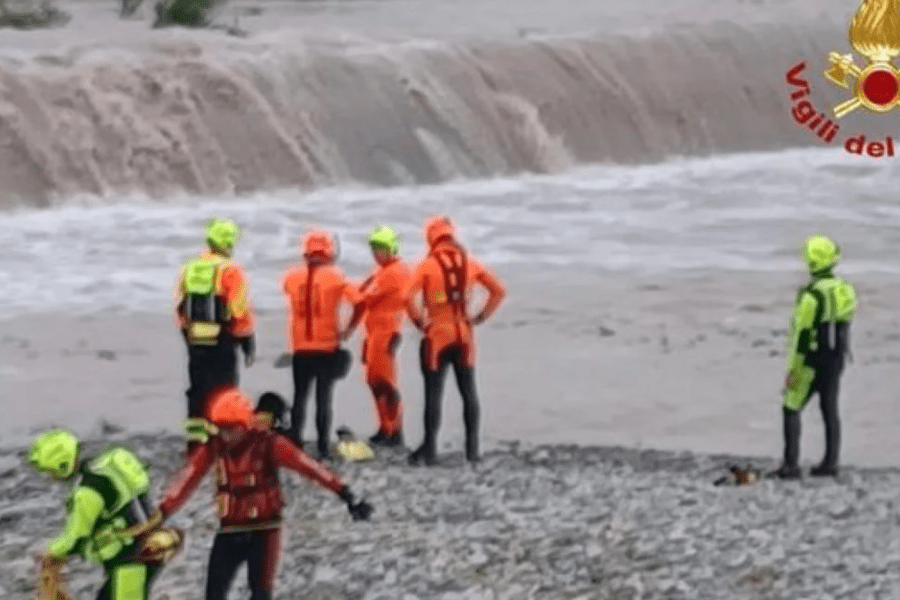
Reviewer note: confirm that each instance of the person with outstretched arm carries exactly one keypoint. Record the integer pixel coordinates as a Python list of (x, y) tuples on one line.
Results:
[(247, 456)]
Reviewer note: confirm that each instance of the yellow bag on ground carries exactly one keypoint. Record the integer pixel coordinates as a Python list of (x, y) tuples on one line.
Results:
[(354, 451)]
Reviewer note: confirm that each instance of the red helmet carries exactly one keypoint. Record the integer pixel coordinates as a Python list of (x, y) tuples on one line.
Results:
[(318, 242), (230, 406), (437, 228)]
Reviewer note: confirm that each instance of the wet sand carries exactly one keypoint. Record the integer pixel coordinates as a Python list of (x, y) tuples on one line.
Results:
[(688, 363)]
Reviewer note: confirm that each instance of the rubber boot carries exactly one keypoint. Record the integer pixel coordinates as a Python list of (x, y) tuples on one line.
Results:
[(323, 449), (790, 468), (472, 447), (378, 439), (423, 455), (824, 470), (381, 408), (829, 465), (393, 441)]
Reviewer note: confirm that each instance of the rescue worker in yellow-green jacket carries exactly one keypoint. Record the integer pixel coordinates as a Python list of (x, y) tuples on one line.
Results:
[(818, 344), (110, 496), (215, 316)]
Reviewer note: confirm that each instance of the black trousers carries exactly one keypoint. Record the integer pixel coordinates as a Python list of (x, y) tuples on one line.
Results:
[(321, 367), (259, 549), (434, 390), (208, 368), (827, 385)]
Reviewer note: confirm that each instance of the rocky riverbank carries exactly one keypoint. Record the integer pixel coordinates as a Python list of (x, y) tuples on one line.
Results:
[(554, 522)]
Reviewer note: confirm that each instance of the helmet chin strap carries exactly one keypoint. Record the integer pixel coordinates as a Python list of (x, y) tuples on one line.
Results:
[(218, 249), (317, 259)]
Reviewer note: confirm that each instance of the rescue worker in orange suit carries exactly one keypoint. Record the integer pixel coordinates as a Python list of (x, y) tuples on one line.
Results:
[(248, 456), (315, 292), (215, 316), (445, 278), (384, 298)]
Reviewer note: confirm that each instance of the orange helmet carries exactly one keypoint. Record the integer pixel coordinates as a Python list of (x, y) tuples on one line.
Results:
[(318, 242), (437, 228), (230, 406)]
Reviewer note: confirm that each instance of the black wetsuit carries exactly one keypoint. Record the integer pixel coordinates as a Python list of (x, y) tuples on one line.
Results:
[(829, 364), (259, 549), (434, 389), (210, 367), (323, 367)]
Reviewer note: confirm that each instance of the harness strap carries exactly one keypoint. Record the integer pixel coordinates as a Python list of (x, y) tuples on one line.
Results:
[(207, 327), (454, 267), (309, 302), (829, 341)]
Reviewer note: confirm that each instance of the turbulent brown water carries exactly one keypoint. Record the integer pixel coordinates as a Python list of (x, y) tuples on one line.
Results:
[(417, 91), (267, 113)]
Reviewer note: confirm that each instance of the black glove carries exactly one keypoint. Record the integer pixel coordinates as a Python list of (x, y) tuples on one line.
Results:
[(248, 346), (360, 511)]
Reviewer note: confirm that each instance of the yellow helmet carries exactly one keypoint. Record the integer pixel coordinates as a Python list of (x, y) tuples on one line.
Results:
[(55, 452), (223, 235), (820, 253), (384, 237)]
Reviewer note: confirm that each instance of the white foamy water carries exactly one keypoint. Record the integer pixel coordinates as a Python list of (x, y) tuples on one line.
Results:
[(347, 114), (737, 212)]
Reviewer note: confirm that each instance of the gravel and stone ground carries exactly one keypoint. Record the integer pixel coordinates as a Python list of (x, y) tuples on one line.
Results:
[(553, 522)]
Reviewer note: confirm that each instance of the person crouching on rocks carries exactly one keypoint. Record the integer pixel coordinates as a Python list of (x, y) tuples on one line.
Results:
[(249, 501), (270, 411), (109, 493)]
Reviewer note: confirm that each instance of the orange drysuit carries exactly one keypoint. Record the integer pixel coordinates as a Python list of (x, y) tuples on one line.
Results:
[(445, 277), (384, 296), (314, 293), (314, 297)]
